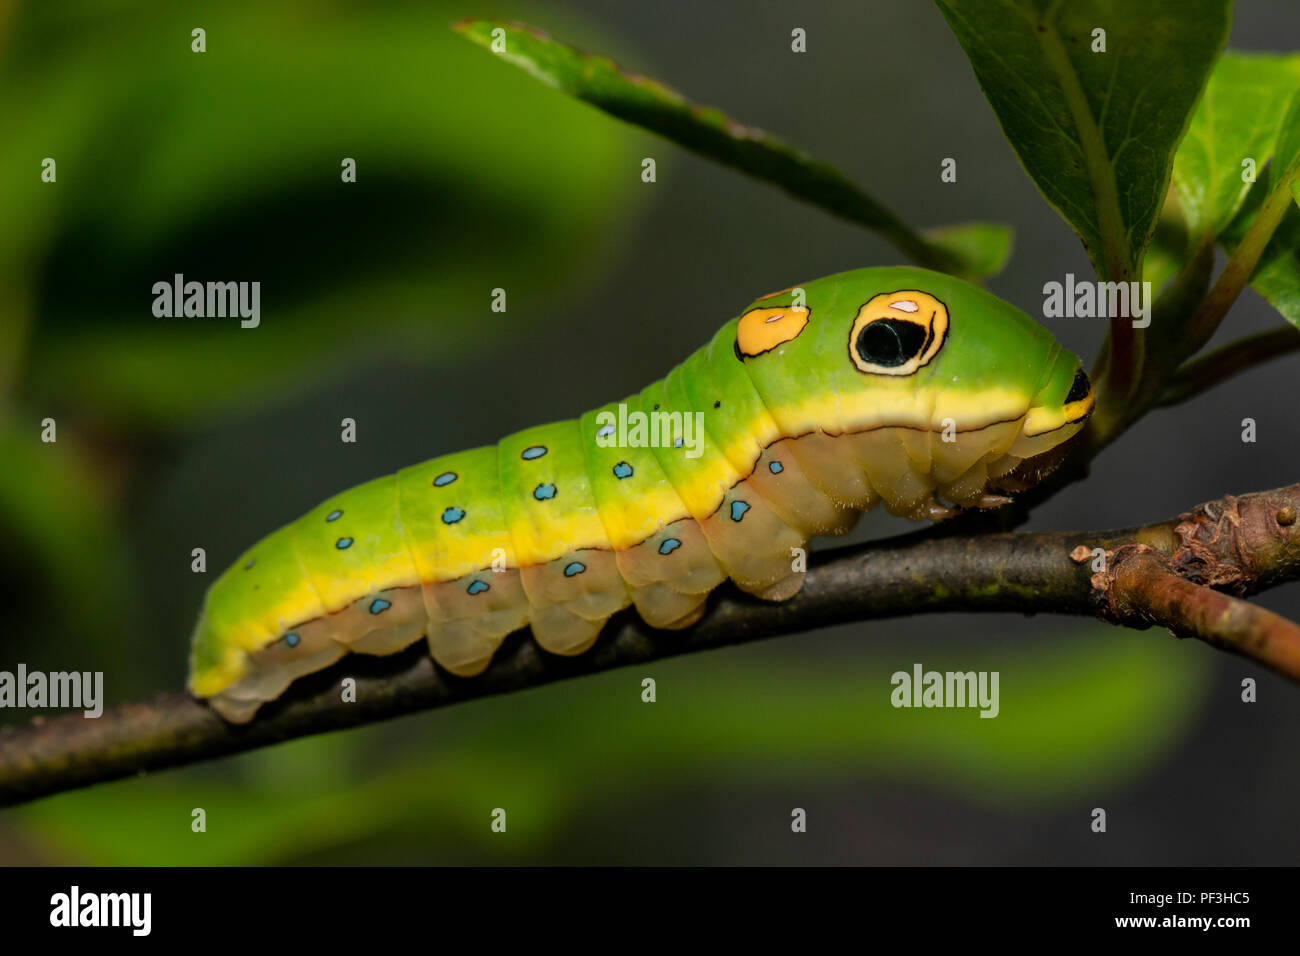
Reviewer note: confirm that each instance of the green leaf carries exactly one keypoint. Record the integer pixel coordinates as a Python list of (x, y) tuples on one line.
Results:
[(711, 133), (1277, 275), (1096, 131), (1237, 119), (1168, 250), (983, 246), (1288, 137)]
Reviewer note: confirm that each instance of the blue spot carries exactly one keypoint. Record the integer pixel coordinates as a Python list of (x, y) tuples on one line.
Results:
[(677, 443), (669, 546), (477, 587), (250, 564), (738, 509), (577, 567), (334, 516), (343, 543), (292, 639), (536, 451), (775, 467), (622, 470), (446, 478), (452, 515), (379, 606), (544, 492)]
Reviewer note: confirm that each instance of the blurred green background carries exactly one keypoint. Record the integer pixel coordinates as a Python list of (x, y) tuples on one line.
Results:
[(183, 433)]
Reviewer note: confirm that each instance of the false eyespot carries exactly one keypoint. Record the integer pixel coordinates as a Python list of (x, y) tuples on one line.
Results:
[(761, 330), (896, 333)]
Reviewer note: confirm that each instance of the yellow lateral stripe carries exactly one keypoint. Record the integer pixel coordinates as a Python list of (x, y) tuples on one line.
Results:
[(546, 493), (625, 521), (635, 506)]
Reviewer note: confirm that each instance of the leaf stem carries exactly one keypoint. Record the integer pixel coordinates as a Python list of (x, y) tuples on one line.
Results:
[(1114, 261), (708, 132), (1241, 264), (1222, 364)]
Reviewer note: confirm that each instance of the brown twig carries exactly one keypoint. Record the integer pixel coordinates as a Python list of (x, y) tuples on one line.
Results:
[(1146, 591), (1237, 544)]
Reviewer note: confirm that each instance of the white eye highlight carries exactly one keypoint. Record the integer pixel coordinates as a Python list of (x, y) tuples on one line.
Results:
[(905, 305)]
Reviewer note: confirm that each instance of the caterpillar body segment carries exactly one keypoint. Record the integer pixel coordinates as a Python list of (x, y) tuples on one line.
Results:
[(892, 386)]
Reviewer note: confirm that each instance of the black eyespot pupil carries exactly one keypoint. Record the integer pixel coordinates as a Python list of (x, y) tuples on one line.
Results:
[(1079, 388), (890, 342)]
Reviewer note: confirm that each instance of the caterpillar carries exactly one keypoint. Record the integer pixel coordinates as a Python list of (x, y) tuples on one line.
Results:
[(895, 386)]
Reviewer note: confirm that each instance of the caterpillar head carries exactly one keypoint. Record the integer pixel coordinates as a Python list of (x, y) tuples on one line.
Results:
[(942, 391)]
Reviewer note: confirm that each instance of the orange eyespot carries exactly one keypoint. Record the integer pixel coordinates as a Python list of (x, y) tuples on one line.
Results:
[(896, 333), (761, 330)]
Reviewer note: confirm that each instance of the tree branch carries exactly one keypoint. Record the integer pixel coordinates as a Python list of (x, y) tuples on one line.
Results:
[(1237, 544)]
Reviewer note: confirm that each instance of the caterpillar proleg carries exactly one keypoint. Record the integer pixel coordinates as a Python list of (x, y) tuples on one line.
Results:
[(893, 386)]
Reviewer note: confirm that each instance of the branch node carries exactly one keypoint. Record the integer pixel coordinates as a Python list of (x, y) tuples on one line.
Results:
[(1232, 544), (1111, 585)]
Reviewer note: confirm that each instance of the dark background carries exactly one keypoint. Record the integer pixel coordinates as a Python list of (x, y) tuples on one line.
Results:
[(1149, 728)]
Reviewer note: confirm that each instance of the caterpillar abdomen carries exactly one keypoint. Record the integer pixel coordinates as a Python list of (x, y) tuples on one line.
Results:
[(787, 424)]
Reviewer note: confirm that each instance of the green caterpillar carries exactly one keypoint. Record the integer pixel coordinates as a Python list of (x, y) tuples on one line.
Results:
[(887, 385)]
